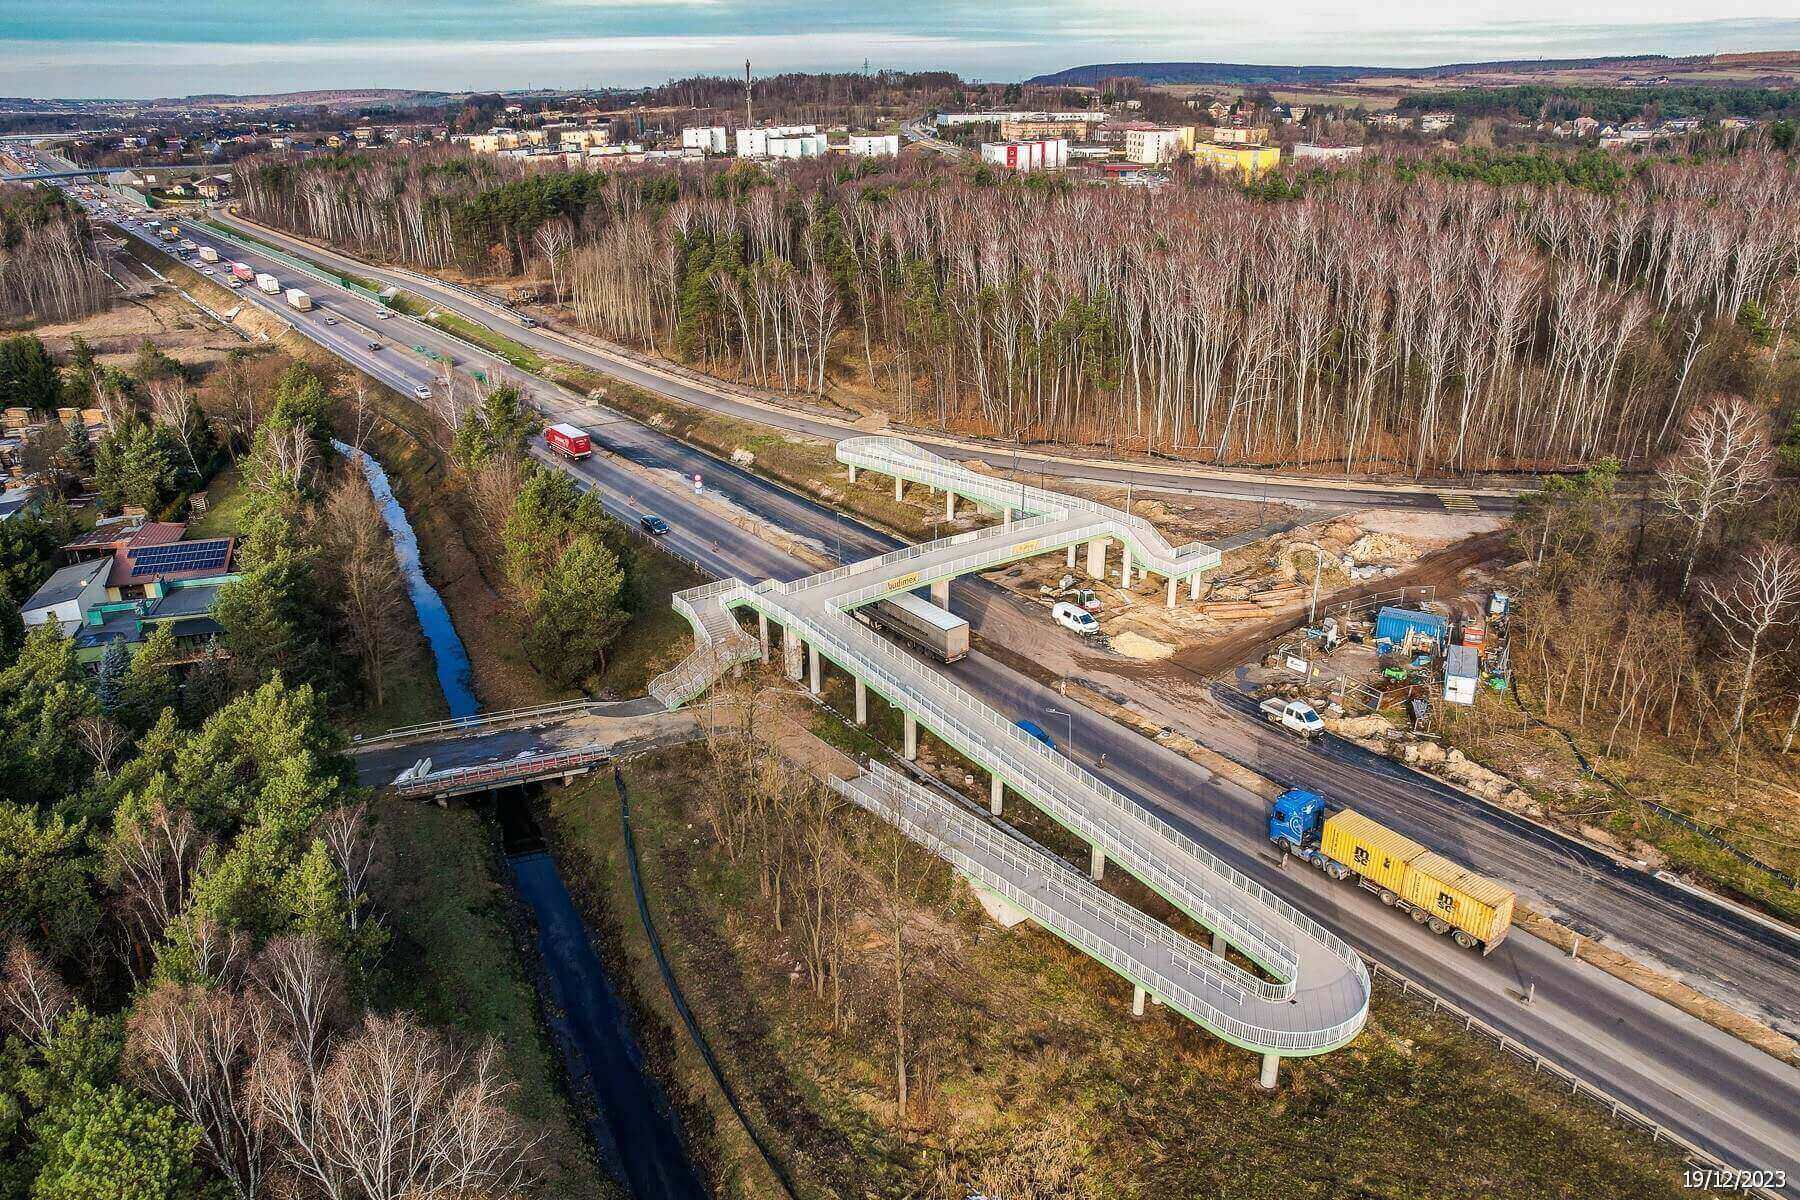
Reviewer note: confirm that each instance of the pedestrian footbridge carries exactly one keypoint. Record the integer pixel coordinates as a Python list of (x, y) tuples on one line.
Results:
[(1311, 991)]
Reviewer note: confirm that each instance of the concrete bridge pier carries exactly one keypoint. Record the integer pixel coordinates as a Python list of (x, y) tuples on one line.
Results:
[(862, 702), (1171, 591), (790, 653), (1219, 945), (1071, 556), (1096, 863), (899, 488), (940, 593), (1271, 1065), (762, 635), (949, 505), (1006, 517), (1096, 558), (1194, 586), (996, 793), (852, 472), (1138, 996), (1125, 571), (911, 727), (812, 664)]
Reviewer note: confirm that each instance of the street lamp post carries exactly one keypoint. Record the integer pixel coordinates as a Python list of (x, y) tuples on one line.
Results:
[(1070, 717)]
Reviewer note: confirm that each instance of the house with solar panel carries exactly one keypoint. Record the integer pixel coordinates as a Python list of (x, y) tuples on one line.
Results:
[(139, 575)]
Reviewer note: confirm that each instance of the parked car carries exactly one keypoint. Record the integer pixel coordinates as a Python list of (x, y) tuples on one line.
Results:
[(1076, 618), (1295, 715), (653, 525)]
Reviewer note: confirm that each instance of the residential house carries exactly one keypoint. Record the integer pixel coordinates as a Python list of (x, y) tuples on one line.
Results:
[(67, 596)]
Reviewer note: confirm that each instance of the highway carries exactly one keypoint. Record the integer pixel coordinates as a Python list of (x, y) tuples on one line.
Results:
[(1702, 1083)]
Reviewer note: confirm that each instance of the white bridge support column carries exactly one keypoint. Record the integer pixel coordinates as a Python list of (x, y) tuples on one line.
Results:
[(1271, 1065), (1125, 571), (762, 635), (1194, 586), (911, 726), (899, 488), (1171, 591), (949, 505), (1096, 558), (1138, 996), (1006, 516), (812, 669), (1096, 863), (996, 794), (940, 593), (852, 472), (790, 653), (1071, 556), (1218, 944), (862, 702)]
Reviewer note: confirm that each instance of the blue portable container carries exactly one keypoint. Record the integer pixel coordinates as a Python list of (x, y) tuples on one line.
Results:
[(1392, 625)]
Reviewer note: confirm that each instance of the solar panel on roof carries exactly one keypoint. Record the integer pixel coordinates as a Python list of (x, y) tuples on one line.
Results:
[(178, 556)]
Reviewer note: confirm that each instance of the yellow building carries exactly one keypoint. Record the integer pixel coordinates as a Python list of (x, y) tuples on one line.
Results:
[(1247, 161)]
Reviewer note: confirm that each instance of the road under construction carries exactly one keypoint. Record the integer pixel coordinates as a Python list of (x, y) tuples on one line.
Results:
[(1309, 990)]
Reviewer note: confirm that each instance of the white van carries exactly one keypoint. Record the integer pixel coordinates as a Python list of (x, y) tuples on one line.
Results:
[(1073, 616)]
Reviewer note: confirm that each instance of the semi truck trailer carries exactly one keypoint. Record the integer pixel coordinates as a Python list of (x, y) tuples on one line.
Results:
[(208, 254), (244, 272), (298, 299), (937, 631), (268, 283), (1431, 889)]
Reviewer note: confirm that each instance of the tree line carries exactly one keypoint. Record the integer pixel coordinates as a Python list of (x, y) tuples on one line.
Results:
[(48, 268), (1384, 318)]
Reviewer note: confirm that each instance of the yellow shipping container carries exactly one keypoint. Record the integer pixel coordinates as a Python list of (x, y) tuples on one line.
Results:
[(1462, 899), (1373, 851)]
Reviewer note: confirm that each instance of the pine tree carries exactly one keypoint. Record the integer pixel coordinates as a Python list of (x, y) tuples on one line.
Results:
[(109, 686)]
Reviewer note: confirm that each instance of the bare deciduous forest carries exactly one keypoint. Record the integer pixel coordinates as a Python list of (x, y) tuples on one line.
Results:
[(1387, 319), (47, 266)]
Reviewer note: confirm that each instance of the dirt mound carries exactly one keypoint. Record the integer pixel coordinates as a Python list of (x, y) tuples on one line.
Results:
[(1136, 645), (1382, 548)]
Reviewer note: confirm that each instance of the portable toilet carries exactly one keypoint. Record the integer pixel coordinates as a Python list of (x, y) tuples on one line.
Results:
[(1462, 671)]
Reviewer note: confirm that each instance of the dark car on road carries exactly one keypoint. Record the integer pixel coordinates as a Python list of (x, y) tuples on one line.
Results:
[(374, 345), (653, 525)]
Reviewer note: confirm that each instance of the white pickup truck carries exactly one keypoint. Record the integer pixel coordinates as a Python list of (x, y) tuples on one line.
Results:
[(1296, 715)]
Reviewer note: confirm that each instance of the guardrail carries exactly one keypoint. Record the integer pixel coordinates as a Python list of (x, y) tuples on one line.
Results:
[(461, 779), (406, 733), (1619, 1109)]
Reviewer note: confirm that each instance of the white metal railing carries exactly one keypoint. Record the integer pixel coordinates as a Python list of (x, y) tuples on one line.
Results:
[(473, 721), (1108, 929)]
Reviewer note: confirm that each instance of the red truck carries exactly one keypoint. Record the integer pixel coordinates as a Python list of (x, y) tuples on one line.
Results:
[(569, 441), (243, 271)]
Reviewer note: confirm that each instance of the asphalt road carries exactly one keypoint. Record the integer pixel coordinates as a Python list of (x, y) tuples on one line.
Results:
[(1711, 1088)]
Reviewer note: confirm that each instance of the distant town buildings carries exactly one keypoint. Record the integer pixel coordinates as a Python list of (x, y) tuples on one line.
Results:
[(874, 145), (708, 139), (1308, 150), (1154, 145), (1045, 154), (1043, 125)]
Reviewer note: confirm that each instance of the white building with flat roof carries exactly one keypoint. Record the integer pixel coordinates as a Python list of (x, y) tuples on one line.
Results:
[(754, 143), (875, 145), (709, 139)]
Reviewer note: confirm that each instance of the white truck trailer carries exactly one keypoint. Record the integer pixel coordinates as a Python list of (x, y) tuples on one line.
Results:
[(298, 299), (937, 631), (268, 283)]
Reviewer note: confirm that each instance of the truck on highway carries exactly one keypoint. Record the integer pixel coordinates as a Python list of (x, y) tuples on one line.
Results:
[(299, 300), (937, 631), (268, 283), (208, 254), (1296, 715), (569, 441), (1431, 889), (168, 233), (243, 271)]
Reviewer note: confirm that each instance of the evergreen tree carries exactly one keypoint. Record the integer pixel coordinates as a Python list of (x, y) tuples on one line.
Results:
[(115, 1144), (46, 880), (578, 612), (109, 684), (42, 695), (28, 376), (148, 687), (12, 629)]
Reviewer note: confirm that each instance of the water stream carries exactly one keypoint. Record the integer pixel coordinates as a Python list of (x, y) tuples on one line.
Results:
[(446, 648), (629, 1119)]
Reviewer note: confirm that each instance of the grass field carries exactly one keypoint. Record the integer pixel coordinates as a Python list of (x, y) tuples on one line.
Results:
[(516, 353), (1036, 1063)]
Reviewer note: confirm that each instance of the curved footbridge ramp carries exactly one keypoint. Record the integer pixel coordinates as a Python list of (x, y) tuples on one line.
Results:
[(1310, 993)]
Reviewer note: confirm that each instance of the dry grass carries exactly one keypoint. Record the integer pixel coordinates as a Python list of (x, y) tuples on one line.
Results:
[(1036, 1062)]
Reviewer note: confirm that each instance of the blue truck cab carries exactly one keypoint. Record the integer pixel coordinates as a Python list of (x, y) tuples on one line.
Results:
[(1296, 819)]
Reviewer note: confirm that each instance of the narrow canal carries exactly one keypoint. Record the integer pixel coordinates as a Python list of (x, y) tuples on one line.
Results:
[(631, 1121)]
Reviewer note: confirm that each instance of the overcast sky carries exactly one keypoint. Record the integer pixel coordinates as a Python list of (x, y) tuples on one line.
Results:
[(88, 48)]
